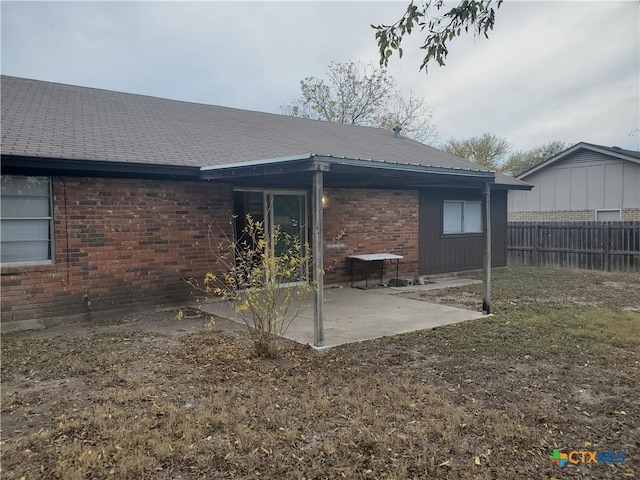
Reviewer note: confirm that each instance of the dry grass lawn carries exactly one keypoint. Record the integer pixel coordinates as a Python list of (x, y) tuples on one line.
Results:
[(558, 366)]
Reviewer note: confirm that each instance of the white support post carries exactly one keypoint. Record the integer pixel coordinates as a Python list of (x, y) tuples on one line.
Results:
[(318, 261), (486, 263)]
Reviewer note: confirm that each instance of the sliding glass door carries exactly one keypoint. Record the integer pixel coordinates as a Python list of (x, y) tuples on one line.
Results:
[(288, 213), (285, 209)]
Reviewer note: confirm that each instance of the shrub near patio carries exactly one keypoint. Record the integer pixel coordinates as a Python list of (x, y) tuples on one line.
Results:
[(555, 368), (264, 277)]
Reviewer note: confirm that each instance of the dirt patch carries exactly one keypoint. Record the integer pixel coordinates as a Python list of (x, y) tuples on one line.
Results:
[(524, 286), (454, 296), (150, 397)]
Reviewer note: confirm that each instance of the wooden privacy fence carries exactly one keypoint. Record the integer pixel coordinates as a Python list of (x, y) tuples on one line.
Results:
[(610, 246)]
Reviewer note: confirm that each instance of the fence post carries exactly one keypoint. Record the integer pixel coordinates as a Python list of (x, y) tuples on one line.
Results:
[(536, 242), (607, 248)]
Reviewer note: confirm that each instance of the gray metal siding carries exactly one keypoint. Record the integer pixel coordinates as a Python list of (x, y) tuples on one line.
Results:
[(631, 186), (585, 180), (577, 188), (595, 187), (563, 180), (613, 175), (440, 253)]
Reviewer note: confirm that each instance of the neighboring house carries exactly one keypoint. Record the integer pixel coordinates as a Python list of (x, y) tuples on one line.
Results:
[(583, 183), (107, 197)]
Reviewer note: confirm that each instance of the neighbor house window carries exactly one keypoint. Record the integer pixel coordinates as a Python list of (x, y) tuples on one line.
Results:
[(461, 217), (611, 215), (25, 232)]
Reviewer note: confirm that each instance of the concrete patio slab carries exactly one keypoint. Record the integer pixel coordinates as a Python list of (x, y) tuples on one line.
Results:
[(353, 315)]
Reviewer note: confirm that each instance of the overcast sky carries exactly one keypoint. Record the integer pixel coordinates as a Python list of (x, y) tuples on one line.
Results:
[(549, 71)]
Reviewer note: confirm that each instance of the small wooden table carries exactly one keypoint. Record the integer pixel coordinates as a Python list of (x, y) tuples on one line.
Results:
[(374, 257)]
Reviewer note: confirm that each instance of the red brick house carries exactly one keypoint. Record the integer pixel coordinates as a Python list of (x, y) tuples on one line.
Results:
[(107, 197)]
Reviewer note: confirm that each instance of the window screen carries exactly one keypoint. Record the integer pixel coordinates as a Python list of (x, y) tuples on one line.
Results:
[(25, 232), (452, 214), (461, 217), (472, 217)]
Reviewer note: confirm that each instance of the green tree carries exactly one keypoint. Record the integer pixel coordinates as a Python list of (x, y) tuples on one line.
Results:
[(523, 160), (486, 150), (442, 23), (362, 94)]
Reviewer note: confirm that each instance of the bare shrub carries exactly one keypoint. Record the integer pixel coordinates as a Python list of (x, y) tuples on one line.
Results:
[(265, 276)]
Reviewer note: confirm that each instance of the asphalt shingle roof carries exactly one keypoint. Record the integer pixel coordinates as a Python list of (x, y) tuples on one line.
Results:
[(52, 120)]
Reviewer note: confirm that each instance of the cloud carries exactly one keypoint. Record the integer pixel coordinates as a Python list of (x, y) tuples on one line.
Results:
[(546, 62), (545, 70)]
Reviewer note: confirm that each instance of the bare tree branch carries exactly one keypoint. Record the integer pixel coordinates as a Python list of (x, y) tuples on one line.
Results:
[(360, 94)]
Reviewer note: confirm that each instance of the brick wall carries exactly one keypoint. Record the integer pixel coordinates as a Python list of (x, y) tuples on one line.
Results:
[(627, 214), (373, 221), (630, 215), (125, 244), (120, 244)]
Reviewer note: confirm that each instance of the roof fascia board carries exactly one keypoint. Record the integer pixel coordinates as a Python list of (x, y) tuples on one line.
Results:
[(406, 167), (258, 163), (494, 186), (96, 168), (511, 186), (311, 162), (293, 165), (573, 149)]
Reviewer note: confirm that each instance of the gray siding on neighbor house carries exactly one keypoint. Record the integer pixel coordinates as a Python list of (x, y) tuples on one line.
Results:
[(439, 253), (586, 180)]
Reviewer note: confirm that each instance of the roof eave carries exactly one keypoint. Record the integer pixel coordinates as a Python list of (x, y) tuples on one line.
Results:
[(30, 165), (511, 186), (569, 151), (260, 162), (312, 162), (406, 167)]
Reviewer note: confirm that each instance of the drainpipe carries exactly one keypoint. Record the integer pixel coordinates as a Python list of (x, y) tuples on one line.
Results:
[(486, 261)]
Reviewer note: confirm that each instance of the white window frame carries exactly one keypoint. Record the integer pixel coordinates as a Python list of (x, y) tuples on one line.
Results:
[(463, 223), (51, 255), (598, 210)]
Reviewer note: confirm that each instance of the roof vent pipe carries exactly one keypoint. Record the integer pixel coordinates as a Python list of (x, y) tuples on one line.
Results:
[(396, 131)]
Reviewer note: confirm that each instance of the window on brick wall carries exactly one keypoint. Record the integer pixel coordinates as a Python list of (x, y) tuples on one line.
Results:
[(461, 217), (609, 215), (26, 220)]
